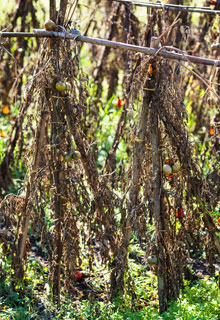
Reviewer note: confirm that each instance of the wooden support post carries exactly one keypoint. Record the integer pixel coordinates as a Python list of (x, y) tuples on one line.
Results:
[(58, 207), (158, 219), (121, 256)]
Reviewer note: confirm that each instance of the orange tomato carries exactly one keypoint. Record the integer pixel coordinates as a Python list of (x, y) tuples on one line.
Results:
[(5, 110), (211, 131), (150, 69), (3, 134)]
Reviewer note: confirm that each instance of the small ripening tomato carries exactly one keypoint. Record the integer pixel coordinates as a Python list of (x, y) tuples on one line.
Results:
[(169, 161), (167, 169), (150, 69), (5, 110), (3, 134), (142, 304), (180, 213), (218, 220), (170, 176), (49, 25), (119, 103), (61, 86), (211, 131), (77, 275)]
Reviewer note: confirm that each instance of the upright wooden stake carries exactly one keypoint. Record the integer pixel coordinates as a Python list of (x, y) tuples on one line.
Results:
[(120, 260), (56, 135), (158, 219), (58, 206)]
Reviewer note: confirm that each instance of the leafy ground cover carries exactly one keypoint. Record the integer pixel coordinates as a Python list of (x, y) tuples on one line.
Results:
[(32, 298)]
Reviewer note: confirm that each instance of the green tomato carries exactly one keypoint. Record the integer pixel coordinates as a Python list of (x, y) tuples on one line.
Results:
[(68, 157), (76, 155), (152, 260), (167, 169), (176, 167), (61, 86)]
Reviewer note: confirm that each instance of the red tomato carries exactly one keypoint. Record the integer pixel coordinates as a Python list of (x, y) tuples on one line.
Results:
[(218, 220), (180, 213), (169, 161), (170, 176), (212, 3), (142, 304), (119, 103), (77, 275)]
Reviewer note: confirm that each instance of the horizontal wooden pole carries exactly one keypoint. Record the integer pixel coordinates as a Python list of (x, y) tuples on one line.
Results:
[(113, 44), (171, 7)]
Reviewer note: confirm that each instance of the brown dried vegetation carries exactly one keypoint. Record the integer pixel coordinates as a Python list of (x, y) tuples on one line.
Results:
[(83, 200)]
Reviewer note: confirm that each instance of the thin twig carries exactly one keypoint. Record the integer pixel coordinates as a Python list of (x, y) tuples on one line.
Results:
[(170, 27), (197, 73), (69, 16), (201, 78), (11, 55)]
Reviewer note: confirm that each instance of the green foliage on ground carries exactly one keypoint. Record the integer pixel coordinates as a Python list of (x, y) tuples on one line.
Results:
[(29, 300), (200, 302)]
